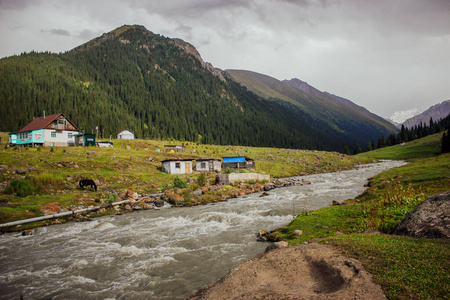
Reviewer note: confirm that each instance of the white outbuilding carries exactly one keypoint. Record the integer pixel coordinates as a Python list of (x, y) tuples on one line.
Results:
[(126, 135), (177, 166)]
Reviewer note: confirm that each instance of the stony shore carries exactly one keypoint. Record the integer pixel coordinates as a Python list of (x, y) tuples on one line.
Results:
[(129, 201)]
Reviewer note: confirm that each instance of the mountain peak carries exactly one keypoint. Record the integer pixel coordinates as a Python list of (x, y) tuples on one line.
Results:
[(188, 48)]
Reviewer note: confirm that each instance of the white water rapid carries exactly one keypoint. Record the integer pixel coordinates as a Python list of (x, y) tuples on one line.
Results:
[(161, 254)]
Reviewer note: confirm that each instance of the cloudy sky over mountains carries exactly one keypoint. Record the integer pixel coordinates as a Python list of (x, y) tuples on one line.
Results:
[(385, 55)]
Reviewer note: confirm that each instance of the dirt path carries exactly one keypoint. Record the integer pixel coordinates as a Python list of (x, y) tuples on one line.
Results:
[(310, 271)]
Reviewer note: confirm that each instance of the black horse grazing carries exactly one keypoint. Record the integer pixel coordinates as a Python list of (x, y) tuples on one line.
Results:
[(88, 182)]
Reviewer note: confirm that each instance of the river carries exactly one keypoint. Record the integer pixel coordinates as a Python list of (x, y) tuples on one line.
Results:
[(160, 254)]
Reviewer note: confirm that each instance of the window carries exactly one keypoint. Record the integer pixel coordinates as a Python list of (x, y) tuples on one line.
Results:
[(178, 165), (203, 165), (53, 135), (69, 135)]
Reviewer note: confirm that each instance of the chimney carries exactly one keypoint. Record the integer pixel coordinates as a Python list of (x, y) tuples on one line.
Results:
[(44, 114)]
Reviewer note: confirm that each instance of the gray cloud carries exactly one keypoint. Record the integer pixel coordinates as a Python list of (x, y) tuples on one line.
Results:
[(386, 55), (61, 32)]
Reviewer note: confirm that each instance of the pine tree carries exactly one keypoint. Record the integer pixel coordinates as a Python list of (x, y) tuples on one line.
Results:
[(445, 141)]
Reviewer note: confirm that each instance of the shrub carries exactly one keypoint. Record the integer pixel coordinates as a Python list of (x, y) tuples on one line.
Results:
[(21, 187), (112, 198), (179, 183), (201, 180)]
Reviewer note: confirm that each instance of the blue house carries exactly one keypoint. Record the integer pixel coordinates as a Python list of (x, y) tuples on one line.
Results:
[(53, 130), (238, 163)]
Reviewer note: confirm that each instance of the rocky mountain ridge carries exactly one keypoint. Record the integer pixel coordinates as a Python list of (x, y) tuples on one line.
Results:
[(437, 112)]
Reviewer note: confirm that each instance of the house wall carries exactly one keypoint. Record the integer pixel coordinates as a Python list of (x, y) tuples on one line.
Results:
[(30, 137), (216, 166), (230, 178), (198, 166), (12, 138), (61, 138), (170, 167)]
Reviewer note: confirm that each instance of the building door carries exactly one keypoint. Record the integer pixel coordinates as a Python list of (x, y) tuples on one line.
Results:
[(188, 168)]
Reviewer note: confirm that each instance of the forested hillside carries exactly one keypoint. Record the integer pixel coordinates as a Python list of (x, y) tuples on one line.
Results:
[(339, 117), (133, 79)]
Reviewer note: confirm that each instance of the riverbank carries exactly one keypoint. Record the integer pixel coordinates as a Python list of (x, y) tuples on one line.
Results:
[(160, 254), (130, 201), (406, 268), (31, 178)]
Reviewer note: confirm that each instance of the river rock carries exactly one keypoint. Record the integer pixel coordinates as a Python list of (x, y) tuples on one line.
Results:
[(268, 186), (21, 171), (132, 194), (50, 209), (175, 199), (309, 271), (298, 232), (264, 236), (277, 245), (158, 202), (431, 219)]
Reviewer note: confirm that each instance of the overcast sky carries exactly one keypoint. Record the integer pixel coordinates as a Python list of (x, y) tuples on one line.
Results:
[(386, 55)]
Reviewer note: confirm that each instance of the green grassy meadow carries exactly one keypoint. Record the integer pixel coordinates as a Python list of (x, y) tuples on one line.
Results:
[(406, 268), (52, 174)]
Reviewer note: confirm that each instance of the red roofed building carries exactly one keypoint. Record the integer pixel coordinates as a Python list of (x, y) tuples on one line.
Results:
[(53, 130)]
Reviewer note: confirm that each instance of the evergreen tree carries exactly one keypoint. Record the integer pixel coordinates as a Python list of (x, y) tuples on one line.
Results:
[(445, 141), (357, 149), (346, 150), (374, 146), (381, 142)]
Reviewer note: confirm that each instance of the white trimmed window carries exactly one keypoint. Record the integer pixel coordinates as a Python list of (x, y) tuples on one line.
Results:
[(53, 134)]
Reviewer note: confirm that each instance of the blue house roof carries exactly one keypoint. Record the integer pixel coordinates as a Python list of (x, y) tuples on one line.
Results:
[(234, 159)]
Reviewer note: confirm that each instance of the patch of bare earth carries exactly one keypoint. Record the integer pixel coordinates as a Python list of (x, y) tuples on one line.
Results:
[(310, 271)]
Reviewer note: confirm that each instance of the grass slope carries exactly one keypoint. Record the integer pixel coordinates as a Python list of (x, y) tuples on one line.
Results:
[(406, 268), (53, 175)]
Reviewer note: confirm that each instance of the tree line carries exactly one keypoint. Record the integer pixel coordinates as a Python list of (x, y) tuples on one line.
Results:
[(409, 134)]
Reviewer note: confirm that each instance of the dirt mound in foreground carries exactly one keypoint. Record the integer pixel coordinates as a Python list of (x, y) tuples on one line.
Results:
[(310, 271)]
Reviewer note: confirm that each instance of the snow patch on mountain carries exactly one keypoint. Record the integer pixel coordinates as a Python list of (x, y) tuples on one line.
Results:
[(401, 116)]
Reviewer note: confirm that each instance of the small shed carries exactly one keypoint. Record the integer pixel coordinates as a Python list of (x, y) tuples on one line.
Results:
[(84, 139), (125, 135), (238, 163), (177, 166), (208, 165)]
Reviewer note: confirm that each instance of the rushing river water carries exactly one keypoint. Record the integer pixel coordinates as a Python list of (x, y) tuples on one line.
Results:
[(161, 254)]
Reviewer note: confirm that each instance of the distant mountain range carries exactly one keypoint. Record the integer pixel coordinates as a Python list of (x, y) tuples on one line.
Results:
[(158, 87), (436, 112), (338, 117)]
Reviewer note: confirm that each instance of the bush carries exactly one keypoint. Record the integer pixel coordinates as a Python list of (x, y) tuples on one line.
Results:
[(21, 187), (179, 183), (201, 180)]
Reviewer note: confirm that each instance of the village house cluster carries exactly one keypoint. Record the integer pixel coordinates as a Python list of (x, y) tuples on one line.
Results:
[(58, 131)]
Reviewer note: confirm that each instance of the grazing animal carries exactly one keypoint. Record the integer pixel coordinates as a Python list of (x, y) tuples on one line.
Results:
[(88, 182)]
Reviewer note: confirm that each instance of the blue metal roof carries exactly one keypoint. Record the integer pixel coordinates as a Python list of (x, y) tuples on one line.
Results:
[(234, 159)]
